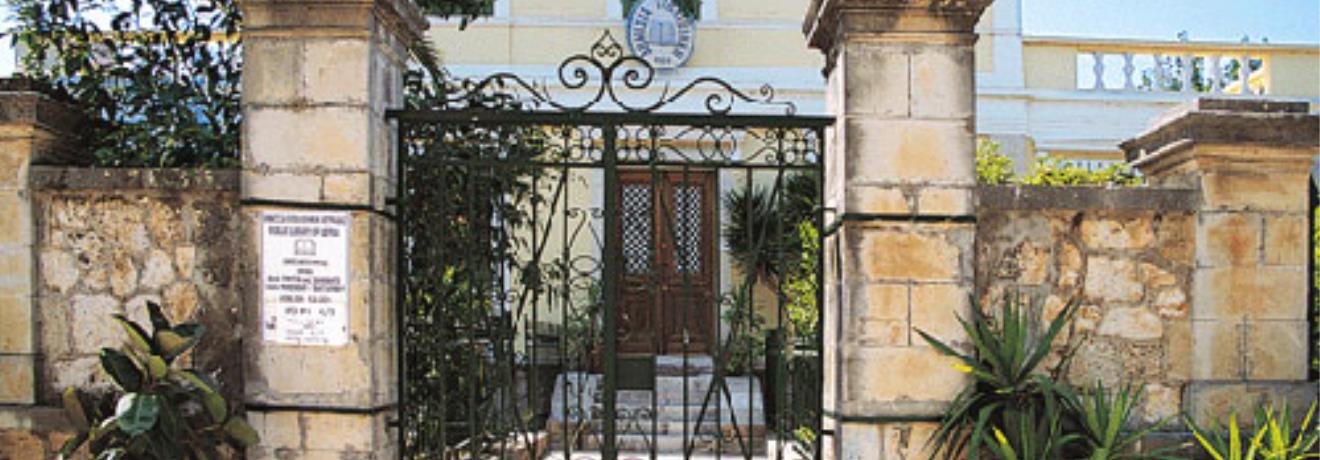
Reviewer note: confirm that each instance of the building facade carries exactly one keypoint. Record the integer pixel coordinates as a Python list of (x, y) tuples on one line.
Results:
[(1036, 95)]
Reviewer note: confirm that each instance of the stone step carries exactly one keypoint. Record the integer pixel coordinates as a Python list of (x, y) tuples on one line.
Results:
[(670, 365), (673, 427), (674, 444)]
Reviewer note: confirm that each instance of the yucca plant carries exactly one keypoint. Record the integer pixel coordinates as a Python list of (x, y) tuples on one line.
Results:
[(1034, 433), (1274, 438), (1008, 352), (1101, 416), (159, 412)]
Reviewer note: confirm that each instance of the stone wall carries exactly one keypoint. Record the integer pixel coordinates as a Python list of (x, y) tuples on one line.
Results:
[(1125, 256), (108, 241), (111, 240)]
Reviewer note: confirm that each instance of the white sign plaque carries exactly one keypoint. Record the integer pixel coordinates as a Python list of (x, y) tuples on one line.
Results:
[(304, 277)]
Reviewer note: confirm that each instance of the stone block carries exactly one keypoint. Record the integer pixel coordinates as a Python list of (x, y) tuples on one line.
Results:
[(16, 333), (268, 83), (906, 440), (1259, 293), (865, 64), (864, 441), (1217, 350), (878, 199), (303, 187), (332, 376), (324, 138), (1136, 323), (1277, 350), (1228, 239), (91, 316), (278, 429), (18, 379), (945, 201), (878, 315), (1256, 191), (17, 228), (1286, 239), (873, 385), (942, 83), (1210, 403), (925, 253), (350, 188), (1178, 350), (1112, 280), (1161, 402), (1171, 302), (1103, 232), (339, 432), (22, 445), (936, 309), (336, 71), (59, 270), (910, 151), (157, 271)]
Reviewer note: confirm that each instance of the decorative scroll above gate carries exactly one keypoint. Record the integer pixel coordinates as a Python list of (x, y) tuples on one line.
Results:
[(608, 79)]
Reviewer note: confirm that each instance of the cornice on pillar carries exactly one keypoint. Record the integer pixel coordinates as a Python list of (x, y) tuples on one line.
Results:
[(828, 20), (1284, 135), (333, 17)]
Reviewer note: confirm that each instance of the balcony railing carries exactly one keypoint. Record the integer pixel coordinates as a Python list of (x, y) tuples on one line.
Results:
[(1164, 67)]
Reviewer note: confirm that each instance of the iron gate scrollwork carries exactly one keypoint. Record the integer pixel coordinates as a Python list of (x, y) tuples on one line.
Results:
[(606, 265)]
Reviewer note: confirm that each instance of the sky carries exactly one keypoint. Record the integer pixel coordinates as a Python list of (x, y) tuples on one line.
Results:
[(1281, 21)]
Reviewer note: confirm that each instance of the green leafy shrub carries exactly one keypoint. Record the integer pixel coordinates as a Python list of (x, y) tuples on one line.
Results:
[(1034, 433), (159, 81), (802, 286), (1274, 438), (992, 167), (1014, 410), (1055, 172), (1101, 415), (159, 411), (1008, 352), (746, 339)]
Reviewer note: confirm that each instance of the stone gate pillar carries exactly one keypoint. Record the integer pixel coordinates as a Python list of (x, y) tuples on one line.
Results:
[(1251, 160), (318, 77), (900, 174)]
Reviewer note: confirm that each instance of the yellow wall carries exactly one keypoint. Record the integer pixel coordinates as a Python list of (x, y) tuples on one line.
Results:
[(774, 10), (1049, 67), (558, 8)]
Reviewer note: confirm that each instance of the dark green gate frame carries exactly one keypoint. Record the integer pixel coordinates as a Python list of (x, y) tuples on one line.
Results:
[(475, 173)]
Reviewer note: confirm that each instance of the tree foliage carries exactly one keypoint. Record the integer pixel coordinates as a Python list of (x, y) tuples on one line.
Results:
[(158, 79)]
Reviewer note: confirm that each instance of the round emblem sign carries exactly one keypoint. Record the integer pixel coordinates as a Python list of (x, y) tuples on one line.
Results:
[(660, 33)]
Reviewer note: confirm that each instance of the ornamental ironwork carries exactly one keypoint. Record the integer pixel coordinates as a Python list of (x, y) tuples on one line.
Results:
[(608, 79)]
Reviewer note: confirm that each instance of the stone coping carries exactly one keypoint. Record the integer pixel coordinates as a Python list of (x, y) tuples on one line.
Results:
[(1237, 121), (165, 179), (1085, 198)]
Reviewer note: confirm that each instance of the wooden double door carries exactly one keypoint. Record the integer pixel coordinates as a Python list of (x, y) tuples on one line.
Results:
[(668, 260)]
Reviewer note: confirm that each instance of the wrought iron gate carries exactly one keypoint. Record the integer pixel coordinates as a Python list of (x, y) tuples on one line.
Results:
[(612, 266)]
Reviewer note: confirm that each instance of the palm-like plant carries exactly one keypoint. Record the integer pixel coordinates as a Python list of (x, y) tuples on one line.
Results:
[(1274, 438), (1034, 433), (762, 231), (1101, 415), (1007, 353)]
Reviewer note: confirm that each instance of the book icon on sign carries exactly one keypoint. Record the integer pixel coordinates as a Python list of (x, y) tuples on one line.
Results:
[(304, 247)]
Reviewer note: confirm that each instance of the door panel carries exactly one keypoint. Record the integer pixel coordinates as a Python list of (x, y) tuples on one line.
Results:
[(668, 284)]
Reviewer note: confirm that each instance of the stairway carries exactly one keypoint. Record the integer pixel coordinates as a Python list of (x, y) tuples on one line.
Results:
[(665, 417)]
